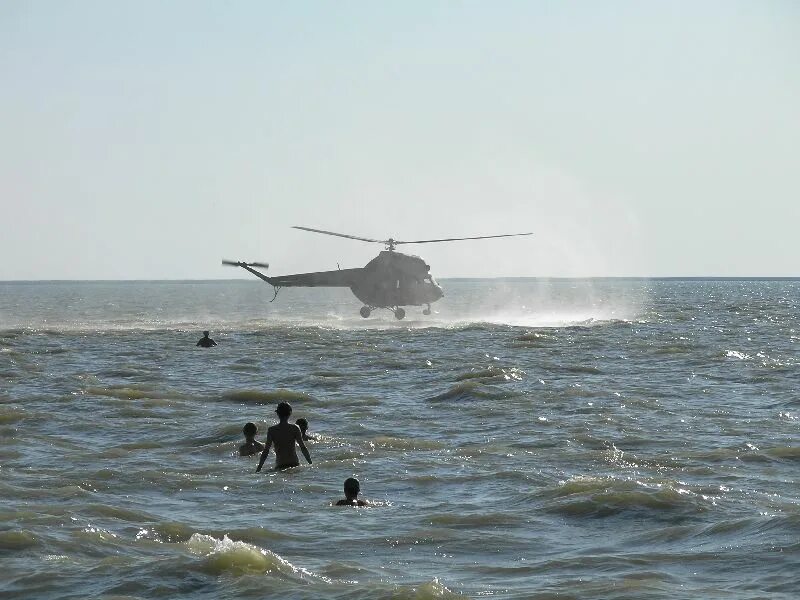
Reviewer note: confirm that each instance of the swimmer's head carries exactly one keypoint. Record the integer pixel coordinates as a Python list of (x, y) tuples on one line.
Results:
[(205, 333), (351, 487), (250, 430), (284, 410), (302, 424)]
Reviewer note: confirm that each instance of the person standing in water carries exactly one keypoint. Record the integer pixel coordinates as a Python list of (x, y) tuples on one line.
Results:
[(205, 341), (284, 436), (302, 423), (351, 490), (250, 446)]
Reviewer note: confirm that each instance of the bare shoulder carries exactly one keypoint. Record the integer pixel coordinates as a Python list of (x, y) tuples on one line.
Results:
[(359, 502)]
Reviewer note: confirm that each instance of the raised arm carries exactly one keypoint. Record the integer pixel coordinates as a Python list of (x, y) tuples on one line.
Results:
[(264, 454)]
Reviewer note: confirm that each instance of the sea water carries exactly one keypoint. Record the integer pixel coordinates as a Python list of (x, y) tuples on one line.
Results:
[(529, 439)]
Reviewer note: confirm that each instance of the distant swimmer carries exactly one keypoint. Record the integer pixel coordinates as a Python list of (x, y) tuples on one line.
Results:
[(250, 446), (351, 490), (302, 423), (284, 436), (205, 341)]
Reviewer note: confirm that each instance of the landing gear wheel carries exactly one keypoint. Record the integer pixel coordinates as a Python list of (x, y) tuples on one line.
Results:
[(399, 313), (427, 311), (365, 311)]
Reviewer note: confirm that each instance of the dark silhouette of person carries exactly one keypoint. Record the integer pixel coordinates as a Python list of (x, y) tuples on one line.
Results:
[(302, 423), (250, 446), (205, 341), (284, 436), (351, 490)]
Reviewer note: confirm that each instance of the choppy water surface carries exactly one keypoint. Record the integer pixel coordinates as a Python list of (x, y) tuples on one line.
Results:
[(530, 439)]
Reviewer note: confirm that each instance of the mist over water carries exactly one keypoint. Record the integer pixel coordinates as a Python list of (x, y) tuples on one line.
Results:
[(228, 305), (530, 439)]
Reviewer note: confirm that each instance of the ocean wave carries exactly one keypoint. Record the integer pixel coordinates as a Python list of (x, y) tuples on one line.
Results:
[(404, 443), (267, 397), (118, 512), (37, 492), (134, 393), (581, 369), (329, 374), (785, 452), (253, 535), (358, 401), (17, 540), (231, 557), (478, 520), (674, 349), (534, 339), (124, 372), (776, 528), (749, 453), (172, 532), (431, 590), (497, 374), (605, 496), (93, 535), (245, 368), (10, 414), (471, 390)]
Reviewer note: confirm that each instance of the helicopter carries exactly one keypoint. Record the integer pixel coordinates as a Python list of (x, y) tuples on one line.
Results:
[(391, 280)]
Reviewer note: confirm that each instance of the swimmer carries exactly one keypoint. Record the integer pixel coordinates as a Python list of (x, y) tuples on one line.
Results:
[(351, 490), (205, 341), (302, 423), (284, 435), (250, 446)]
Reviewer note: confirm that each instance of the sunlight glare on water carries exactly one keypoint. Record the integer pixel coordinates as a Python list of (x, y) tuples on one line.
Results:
[(530, 439)]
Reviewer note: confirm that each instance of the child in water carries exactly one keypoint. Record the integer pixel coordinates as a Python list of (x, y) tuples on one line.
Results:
[(250, 446), (302, 423), (351, 490)]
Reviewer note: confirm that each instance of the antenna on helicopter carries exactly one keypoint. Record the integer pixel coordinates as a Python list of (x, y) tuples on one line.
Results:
[(392, 243)]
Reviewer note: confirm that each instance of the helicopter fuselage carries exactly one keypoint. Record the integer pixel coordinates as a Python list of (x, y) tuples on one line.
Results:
[(394, 279), (390, 280)]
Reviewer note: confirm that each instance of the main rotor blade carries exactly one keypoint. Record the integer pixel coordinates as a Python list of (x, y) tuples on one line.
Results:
[(344, 235), (479, 237), (234, 263)]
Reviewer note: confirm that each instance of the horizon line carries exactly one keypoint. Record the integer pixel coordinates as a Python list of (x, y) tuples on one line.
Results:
[(520, 277)]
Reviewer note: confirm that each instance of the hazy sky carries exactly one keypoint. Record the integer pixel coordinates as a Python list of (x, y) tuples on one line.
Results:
[(148, 140)]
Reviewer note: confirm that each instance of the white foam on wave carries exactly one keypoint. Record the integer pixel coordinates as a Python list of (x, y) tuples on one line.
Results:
[(236, 557)]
